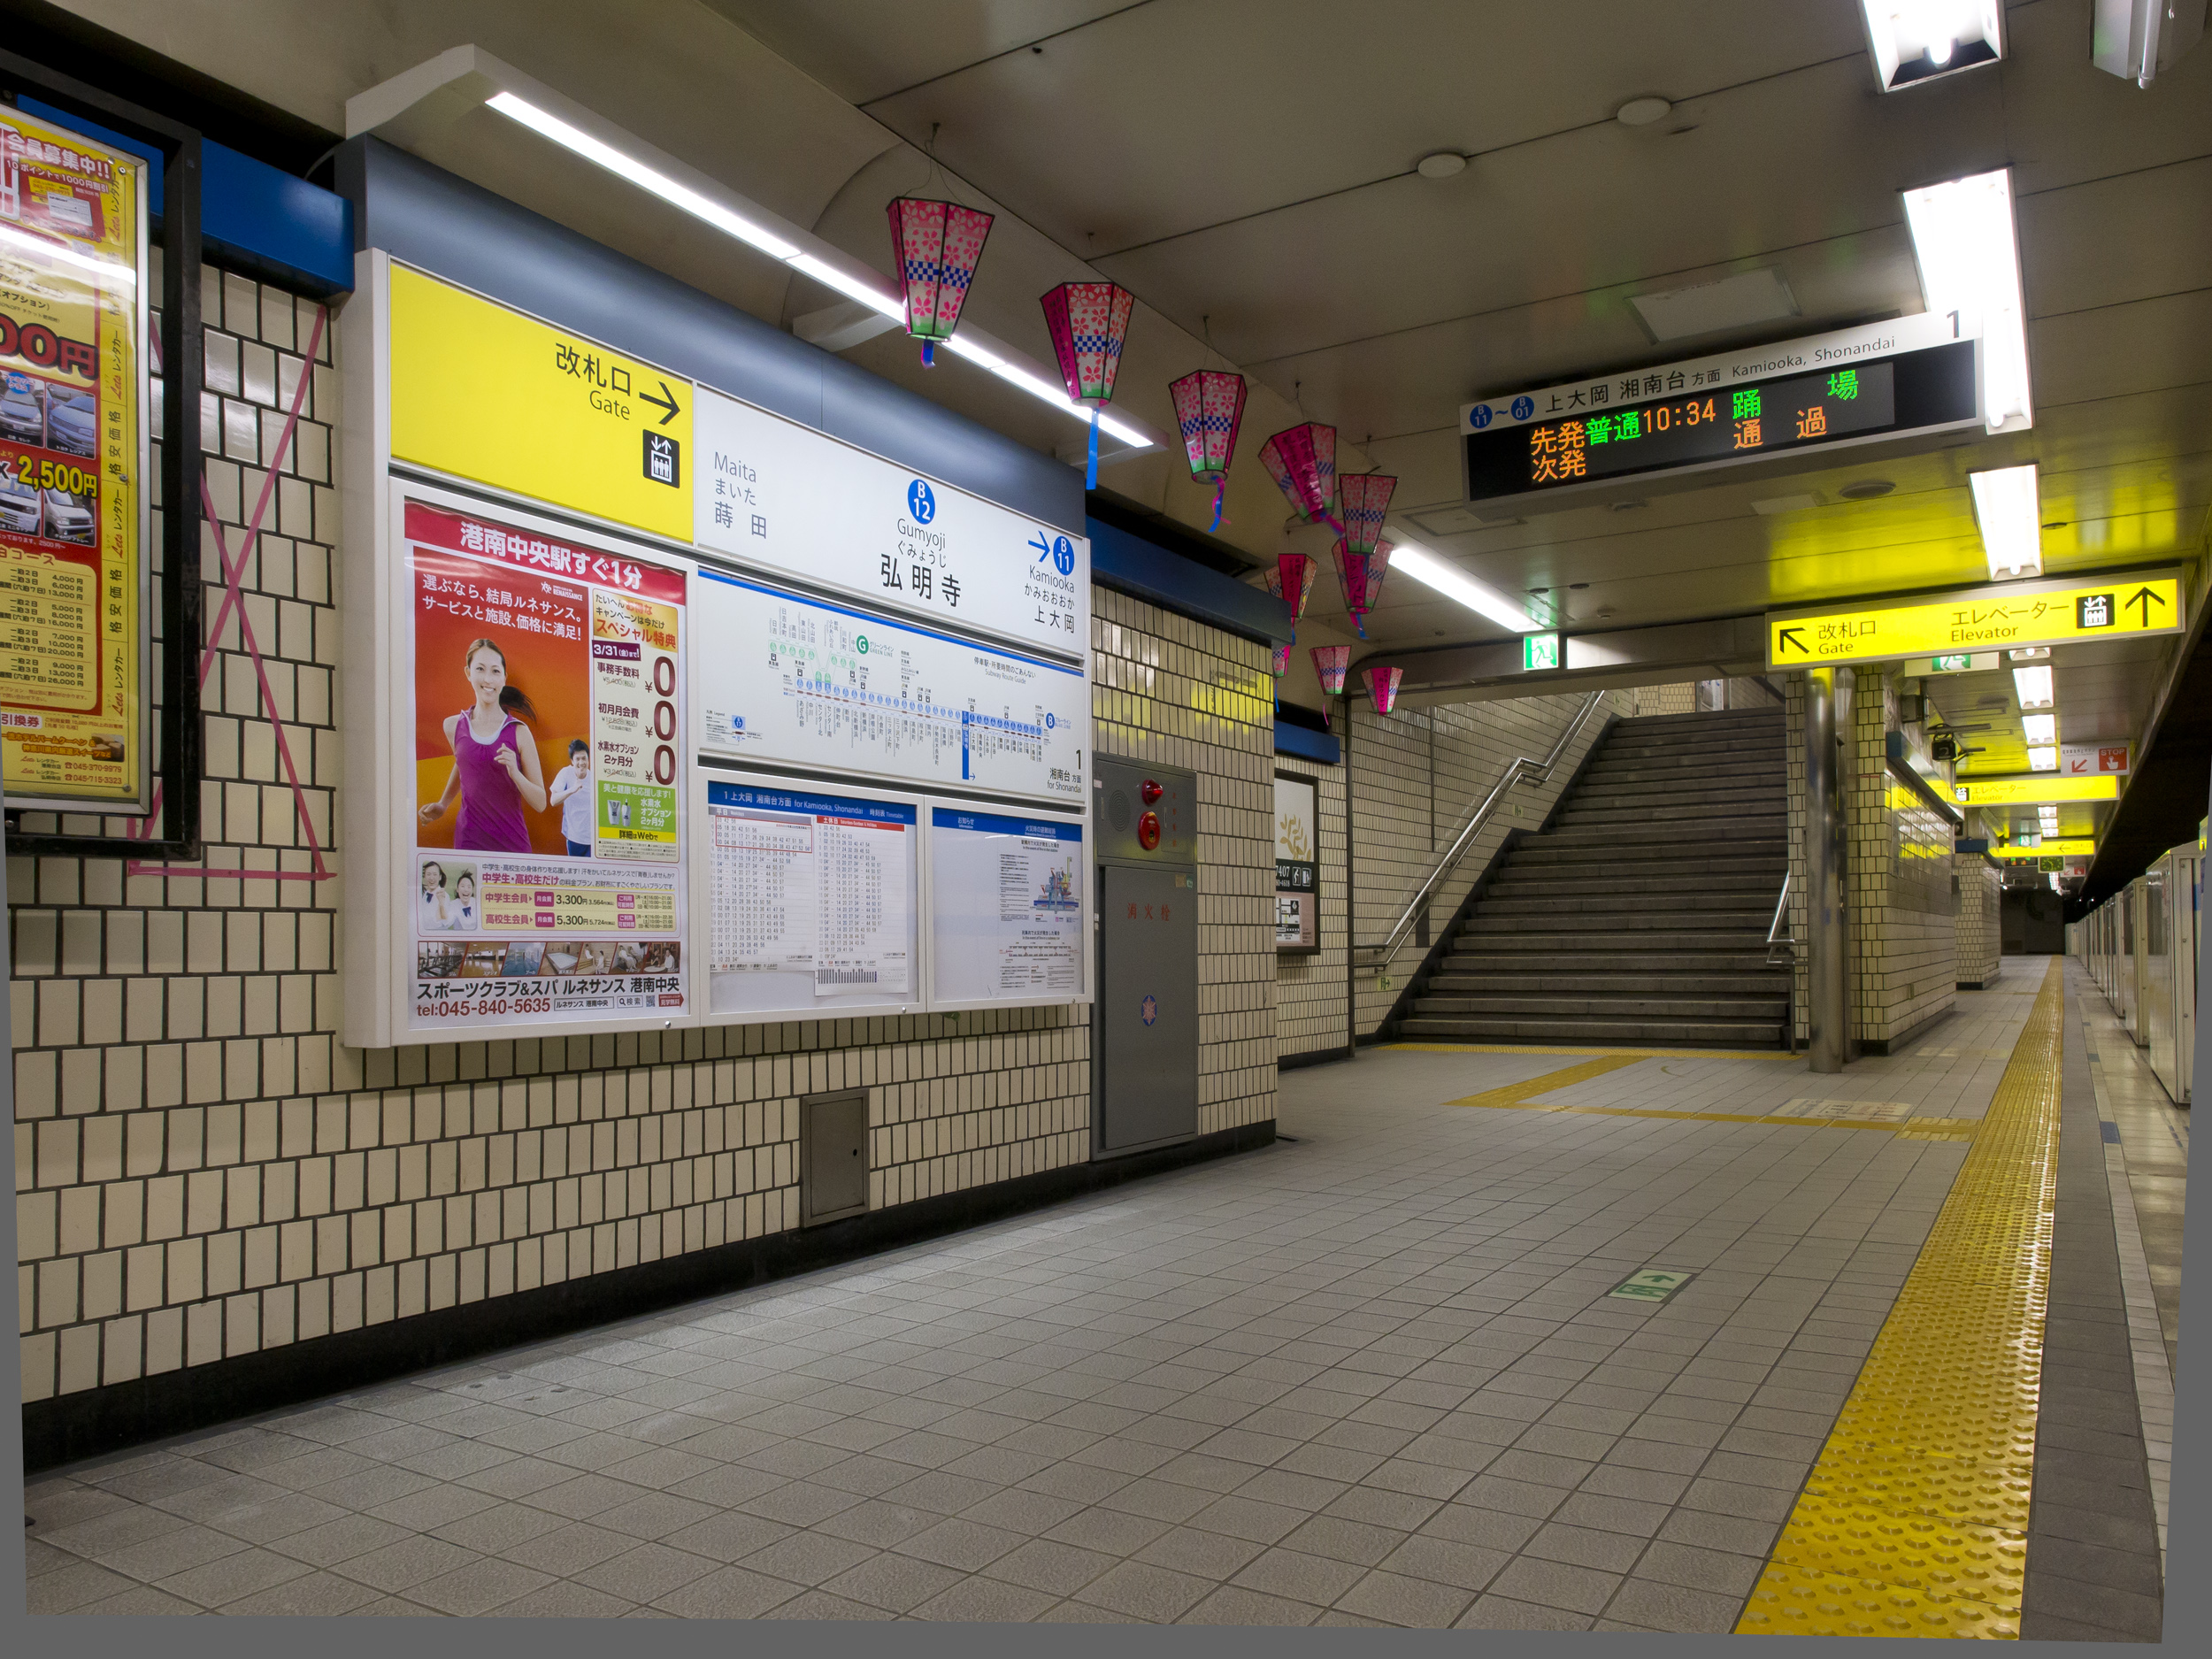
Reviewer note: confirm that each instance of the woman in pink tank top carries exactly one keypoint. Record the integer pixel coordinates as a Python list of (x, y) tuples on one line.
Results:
[(495, 771)]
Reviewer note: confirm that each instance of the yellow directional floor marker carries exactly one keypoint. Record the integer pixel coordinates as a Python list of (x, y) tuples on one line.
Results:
[(1914, 1521)]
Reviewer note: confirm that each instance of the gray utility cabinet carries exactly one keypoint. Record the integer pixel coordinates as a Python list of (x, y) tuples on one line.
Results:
[(1144, 1022)]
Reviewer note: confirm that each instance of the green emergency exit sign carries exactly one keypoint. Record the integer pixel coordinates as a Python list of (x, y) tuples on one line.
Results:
[(1540, 650), (1653, 1284)]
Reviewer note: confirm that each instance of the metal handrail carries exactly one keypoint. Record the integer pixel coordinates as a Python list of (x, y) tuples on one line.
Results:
[(1519, 770), (1788, 942)]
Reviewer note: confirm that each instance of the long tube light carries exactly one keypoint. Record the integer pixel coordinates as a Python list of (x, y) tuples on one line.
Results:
[(1454, 583), (2033, 685), (2009, 511), (577, 142), (2040, 728), (1918, 41), (1965, 239)]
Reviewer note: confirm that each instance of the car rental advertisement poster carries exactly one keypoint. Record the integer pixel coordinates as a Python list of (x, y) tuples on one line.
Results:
[(72, 453), (546, 878)]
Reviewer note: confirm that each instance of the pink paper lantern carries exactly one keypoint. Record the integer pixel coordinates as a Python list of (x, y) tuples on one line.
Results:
[(1282, 661), (1301, 460), (1331, 662), (937, 246), (1366, 499), (1382, 686), (1361, 575), (1088, 321), (1209, 409), (1292, 581)]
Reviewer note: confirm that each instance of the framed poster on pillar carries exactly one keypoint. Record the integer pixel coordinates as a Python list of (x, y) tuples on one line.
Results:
[(1297, 866)]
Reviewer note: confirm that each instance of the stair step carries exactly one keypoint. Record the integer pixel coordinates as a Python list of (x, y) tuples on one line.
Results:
[(1675, 903), (1585, 814), (1681, 982), (1548, 936), (1704, 1033), (1772, 827), (1657, 1006), (1548, 881)]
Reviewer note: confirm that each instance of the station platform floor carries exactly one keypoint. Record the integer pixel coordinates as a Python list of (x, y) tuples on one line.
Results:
[(1503, 1338)]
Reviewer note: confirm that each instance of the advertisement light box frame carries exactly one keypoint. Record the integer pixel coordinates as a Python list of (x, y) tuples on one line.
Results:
[(381, 957)]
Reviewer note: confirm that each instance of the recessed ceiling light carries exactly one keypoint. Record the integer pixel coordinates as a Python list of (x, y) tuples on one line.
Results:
[(1443, 165), (1626, 506), (1540, 590), (1642, 112), (1785, 503), (1867, 489), (1577, 587)]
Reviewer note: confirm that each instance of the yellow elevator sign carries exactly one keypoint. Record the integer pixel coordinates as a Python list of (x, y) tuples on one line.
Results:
[(2006, 616)]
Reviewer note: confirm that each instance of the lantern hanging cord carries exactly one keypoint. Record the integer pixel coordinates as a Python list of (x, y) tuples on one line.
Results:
[(1090, 475)]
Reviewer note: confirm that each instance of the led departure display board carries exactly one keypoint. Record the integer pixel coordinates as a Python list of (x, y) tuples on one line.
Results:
[(1693, 426)]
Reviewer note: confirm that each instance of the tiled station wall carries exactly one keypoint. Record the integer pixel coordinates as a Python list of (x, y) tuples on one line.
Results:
[(205, 1172), (1981, 940), (1416, 775), (1904, 947)]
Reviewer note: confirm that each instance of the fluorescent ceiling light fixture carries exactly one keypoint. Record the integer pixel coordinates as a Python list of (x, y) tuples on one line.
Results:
[(1454, 583), (2009, 511), (2040, 728), (2035, 688), (582, 143), (573, 138), (1041, 389), (2030, 654), (2041, 758), (1962, 236), (2135, 39), (1917, 41)]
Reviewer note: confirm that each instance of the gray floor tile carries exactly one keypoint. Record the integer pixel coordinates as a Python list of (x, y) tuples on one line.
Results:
[(1299, 1576), (1156, 1595)]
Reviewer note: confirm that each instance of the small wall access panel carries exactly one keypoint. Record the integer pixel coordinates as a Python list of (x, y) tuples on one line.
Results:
[(832, 1157), (1145, 1020)]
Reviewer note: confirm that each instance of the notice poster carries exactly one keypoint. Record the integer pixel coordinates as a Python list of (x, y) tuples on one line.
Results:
[(73, 445), (1007, 895), (1297, 866), (812, 900), (545, 880)]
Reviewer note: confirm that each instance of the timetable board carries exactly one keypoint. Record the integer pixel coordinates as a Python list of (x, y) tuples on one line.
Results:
[(798, 682), (1009, 895), (811, 897)]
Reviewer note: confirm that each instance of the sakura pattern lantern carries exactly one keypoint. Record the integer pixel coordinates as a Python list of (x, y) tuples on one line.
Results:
[(1209, 408), (1088, 321), (1331, 662), (1301, 460), (1361, 575), (1365, 498), (937, 245), (1382, 686), (1292, 581), (1282, 661)]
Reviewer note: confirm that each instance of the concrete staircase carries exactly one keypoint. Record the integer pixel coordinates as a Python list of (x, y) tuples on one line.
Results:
[(1640, 915)]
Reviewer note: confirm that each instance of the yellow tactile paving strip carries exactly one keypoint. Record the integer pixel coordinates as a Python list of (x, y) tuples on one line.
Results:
[(1524, 1096), (1914, 1521)]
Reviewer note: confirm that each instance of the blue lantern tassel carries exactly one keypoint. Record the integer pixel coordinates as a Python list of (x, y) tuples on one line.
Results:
[(929, 353), (1090, 477)]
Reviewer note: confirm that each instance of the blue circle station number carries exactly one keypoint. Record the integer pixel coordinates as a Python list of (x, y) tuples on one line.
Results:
[(920, 502), (1522, 408), (1064, 556), (1478, 416)]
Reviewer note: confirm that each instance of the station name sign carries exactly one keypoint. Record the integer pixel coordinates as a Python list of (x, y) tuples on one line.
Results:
[(1912, 375)]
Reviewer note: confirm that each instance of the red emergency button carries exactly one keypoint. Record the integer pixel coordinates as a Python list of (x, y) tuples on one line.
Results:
[(1152, 792), (1148, 831)]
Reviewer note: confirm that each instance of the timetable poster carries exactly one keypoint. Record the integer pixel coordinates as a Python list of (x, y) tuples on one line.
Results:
[(1007, 898), (546, 880), (812, 900), (72, 455), (805, 682)]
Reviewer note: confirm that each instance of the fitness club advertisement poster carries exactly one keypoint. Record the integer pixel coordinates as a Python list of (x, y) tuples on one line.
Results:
[(71, 240), (546, 877)]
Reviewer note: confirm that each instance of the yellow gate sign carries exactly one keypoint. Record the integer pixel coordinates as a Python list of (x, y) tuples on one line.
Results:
[(2005, 616), (72, 457), (486, 393), (2035, 789)]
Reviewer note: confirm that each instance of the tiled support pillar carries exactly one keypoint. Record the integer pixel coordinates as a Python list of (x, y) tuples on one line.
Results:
[(1824, 944)]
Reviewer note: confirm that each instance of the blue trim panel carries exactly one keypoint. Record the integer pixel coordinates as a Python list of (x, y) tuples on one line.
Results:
[(1130, 565), (428, 217), (252, 216), (768, 799), (1306, 743)]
